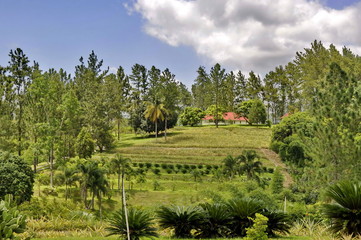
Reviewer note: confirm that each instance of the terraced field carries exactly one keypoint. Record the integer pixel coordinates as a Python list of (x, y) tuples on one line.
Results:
[(198, 145)]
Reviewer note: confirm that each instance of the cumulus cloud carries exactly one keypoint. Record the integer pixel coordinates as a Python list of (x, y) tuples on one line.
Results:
[(248, 34)]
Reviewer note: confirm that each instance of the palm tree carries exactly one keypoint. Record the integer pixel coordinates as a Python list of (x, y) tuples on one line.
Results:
[(182, 219), (249, 165), (154, 112), (230, 166), (119, 165), (140, 224), (345, 213), (278, 222)]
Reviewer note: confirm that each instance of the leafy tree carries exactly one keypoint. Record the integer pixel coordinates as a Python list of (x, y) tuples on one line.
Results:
[(140, 224), (84, 144), (253, 111), (216, 112), (16, 178), (345, 211), (191, 116), (182, 219)]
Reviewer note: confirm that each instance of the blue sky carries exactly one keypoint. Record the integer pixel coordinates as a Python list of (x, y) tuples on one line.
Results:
[(57, 33)]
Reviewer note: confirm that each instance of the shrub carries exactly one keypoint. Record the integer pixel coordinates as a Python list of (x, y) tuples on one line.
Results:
[(140, 224), (164, 165), (184, 171), (209, 167), (186, 166), (16, 178), (200, 166), (148, 165), (11, 220), (170, 166), (215, 221), (193, 167), (157, 165), (156, 171), (182, 219), (135, 164), (179, 166), (141, 165), (169, 171), (258, 230), (277, 222)]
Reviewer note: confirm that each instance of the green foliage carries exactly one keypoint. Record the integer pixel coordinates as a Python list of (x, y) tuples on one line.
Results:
[(249, 165), (11, 220), (258, 230), (345, 212), (191, 116), (16, 178), (84, 144), (253, 110), (182, 219), (215, 221), (278, 222), (140, 224), (241, 210), (277, 181)]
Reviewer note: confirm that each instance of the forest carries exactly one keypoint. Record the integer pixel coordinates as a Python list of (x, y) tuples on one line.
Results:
[(78, 151)]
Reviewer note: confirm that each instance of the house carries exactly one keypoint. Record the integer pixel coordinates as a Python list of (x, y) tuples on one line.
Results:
[(228, 118)]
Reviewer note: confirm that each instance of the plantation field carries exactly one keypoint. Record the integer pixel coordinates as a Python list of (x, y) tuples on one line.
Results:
[(197, 145)]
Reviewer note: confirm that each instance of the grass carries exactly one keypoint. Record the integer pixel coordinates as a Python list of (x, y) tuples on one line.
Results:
[(205, 145)]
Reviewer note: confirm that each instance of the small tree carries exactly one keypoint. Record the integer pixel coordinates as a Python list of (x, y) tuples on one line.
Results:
[(253, 110), (258, 230), (191, 116), (84, 144), (277, 181), (16, 178)]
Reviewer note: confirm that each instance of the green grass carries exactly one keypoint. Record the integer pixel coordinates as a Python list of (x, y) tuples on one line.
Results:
[(197, 145)]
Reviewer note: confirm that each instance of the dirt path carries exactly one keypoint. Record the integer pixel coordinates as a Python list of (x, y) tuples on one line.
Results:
[(273, 157)]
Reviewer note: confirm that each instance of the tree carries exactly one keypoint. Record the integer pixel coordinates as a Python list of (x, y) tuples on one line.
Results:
[(191, 116), (202, 90), (345, 211), (249, 165), (216, 112), (16, 178), (253, 111), (217, 77), (84, 144), (140, 224), (230, 166), (277, 181), (154, 113), (20, 72)]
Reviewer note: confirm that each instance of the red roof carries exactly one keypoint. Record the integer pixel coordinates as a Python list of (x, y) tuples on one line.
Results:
[(227, 116)]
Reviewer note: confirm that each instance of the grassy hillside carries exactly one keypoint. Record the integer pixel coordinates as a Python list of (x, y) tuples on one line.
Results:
[(198, 145)]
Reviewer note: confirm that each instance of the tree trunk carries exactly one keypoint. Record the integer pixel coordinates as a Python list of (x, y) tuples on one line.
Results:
[(119, 180), (125, 210), (156, 129), (118, 123), (51, 161), (165, 128)]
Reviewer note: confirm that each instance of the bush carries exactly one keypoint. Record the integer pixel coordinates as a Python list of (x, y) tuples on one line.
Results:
[(140, 224), (193, 167), (156, 171), (184, 171), (170, 166), (164, 165), (16, 178), (11, 220), (258, 230), (148, 165), (157, 165), (169, 171), (209, 167), (141, 165), (179, 166), (186, 166), (200, 166)]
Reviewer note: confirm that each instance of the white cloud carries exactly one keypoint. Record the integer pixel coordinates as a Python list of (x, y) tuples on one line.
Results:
[(248, 34)]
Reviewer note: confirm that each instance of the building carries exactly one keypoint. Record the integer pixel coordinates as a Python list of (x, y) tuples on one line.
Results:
[(228, 118)]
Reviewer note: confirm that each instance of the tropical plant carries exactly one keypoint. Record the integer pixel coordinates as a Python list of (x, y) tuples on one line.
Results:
[(241, 210), (279, 222), (11, 220), (182, 219), (345, 212), (140, 224), (249, 165), (154, 113), (230, 166), (215, 221), (258, 230)]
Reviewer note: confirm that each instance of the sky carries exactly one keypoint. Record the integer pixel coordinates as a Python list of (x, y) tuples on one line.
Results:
[(180, 35)]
